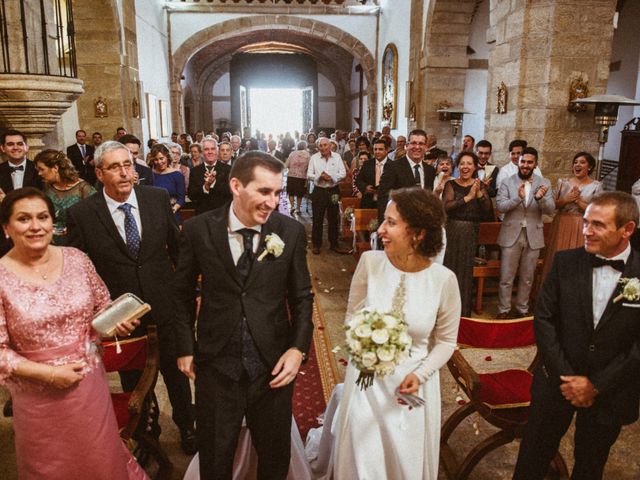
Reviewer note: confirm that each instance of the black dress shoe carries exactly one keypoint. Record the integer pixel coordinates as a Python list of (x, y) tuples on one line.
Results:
[(188, 441)]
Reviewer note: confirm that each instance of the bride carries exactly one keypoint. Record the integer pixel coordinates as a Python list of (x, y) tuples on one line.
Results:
[(378, 437)]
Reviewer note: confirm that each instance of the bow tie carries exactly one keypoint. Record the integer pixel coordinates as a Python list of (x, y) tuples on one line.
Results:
[(210, 168), (602, 262), (15, 169)]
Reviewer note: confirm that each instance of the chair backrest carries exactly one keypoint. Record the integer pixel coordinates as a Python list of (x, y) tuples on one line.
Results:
[(488, 233), (350, 202), (496, 334), (132, 357)]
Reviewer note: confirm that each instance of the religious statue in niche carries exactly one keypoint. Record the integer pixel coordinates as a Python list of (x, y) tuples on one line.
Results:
[(502, 98), (101, 109), (579, 88), (135, 108), (443, 116), (389, 85)]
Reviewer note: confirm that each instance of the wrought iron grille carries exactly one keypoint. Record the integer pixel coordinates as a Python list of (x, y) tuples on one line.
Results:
[(37, 37)]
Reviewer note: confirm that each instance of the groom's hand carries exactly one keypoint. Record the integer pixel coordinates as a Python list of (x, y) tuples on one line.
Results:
[(578, 390), (186, 366), (287, 368)]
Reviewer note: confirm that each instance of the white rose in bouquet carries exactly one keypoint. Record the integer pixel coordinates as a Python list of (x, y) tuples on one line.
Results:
[(369, 359), (380, 336), (363, 331), (354, 345), (386, 354), (391, 321)]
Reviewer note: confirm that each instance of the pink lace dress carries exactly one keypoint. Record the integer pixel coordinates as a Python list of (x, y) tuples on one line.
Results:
[(70, 433)]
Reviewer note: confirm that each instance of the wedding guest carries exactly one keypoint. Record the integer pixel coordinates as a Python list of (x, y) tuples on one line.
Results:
[(443, 175), (195, 155), (376, 436), (167, 177), (572, 195), (63, 186), (467, 202), (350, 153), (297, 163), (63, 417), (176, 156), (587, 336), (358, 161)]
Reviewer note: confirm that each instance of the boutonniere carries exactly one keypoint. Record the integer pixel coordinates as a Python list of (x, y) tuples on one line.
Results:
[(273, 245), (630, 290), (335, 199)]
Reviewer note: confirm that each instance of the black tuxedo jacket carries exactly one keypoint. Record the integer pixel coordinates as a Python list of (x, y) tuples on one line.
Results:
[(218, 195), (276, 298), (31, 177), (493, 186), (568, 344), (150, 276), (399, 174), (86, 171), (367, 176)]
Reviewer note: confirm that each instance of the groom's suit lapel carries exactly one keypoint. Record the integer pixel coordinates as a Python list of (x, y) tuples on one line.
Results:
[(219, 229), (632, 269), (585, 289)]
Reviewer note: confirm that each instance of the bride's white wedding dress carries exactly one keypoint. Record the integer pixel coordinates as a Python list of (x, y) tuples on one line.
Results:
[(377, 438)]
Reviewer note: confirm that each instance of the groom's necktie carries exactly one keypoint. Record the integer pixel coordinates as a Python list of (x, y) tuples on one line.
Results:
[(251, 360), (246, 259)]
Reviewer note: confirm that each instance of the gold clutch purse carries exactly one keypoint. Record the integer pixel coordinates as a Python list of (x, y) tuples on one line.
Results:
[(126, 307)]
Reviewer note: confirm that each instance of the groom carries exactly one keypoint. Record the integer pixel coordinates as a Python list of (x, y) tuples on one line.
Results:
[(589, 345), (254, 325)]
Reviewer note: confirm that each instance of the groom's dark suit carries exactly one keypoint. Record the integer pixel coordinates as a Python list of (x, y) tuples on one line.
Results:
[(149, 276), (276, 301), (568, 344)]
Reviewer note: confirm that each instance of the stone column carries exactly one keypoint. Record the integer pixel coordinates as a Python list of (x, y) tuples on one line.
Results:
[(443, 65), (540, 48)]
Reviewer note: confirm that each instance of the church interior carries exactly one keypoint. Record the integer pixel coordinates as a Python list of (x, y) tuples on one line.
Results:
[(497, 70)]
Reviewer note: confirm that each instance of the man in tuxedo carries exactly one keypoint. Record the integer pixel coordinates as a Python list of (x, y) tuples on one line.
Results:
[(523, 199), (487, 171), (225, 152), (16, 172), (81, 155), (209, 181), (254, 324), (368, 179), (407, 171), (588, 338), (131, 236)]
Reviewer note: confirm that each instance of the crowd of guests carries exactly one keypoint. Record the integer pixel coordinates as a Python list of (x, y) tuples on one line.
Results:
[(94, 198)]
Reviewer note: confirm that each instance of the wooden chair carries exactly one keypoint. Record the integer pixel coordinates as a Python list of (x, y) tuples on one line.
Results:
[(362, 218), (502, 398), (134, 409)]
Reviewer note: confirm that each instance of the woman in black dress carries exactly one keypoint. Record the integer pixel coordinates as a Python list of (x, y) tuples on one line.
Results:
[(467, 203)]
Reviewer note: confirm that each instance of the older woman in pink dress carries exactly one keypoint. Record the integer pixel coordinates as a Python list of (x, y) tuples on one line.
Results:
[(64, 423)]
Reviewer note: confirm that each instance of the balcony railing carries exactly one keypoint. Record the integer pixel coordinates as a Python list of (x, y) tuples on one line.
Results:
[(37, 37), (320, 3)]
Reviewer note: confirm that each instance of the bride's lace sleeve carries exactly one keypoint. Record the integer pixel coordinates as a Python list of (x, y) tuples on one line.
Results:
[(358, 290), (445, 332)]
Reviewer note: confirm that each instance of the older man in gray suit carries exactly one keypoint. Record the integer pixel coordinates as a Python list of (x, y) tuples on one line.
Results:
[(522, 198)]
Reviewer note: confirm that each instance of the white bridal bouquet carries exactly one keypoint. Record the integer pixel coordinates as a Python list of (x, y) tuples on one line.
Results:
[(376, 343)]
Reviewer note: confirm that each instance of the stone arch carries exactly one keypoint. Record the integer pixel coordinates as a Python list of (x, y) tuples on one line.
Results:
[(270, 26)]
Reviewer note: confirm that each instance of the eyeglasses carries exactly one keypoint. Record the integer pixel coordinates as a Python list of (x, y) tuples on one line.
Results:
[(115, 167), (418, 144)]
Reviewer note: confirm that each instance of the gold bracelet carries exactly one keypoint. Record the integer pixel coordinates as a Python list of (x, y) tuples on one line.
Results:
[(51, 377)]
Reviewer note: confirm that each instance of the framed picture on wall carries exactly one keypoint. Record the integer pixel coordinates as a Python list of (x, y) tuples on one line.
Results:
[(389, 86), (164, 118), (152, 115)]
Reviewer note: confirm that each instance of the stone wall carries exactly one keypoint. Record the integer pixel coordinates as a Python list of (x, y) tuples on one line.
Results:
[(540, 48)]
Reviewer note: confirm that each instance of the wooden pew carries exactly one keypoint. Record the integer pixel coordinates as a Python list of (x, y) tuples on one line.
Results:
[(362, 217)]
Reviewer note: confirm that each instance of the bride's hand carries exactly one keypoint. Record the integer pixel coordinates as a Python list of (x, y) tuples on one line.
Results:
[(410, 384)]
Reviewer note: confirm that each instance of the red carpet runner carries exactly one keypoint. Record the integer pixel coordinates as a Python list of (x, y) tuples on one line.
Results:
[(315, 381)]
